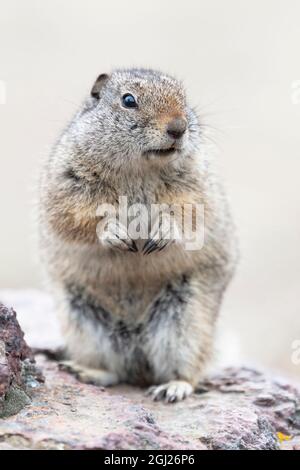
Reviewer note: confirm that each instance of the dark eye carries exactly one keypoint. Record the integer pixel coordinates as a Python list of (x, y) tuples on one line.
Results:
[(129, 101)]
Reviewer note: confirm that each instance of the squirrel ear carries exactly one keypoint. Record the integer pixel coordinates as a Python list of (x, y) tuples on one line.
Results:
[(99, 83)]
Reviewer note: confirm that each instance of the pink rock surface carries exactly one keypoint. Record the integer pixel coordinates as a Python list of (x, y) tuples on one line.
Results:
[(238, 408)]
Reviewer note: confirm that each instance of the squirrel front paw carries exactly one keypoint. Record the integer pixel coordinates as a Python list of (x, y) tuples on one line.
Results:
[(115, 235), (164, 233)]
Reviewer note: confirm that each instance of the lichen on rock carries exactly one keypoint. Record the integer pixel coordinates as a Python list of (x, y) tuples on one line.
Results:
[(18, 373)]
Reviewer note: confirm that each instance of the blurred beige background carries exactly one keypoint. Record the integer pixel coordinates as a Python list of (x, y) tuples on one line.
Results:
[(240, 62)]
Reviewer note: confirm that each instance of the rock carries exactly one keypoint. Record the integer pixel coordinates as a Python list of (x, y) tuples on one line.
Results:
[(237, 408), (18, 374)]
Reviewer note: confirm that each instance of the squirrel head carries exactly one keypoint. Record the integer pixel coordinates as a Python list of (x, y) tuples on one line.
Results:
[(136, 115)]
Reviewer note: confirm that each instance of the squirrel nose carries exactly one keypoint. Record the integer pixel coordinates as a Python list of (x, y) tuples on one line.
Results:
[(177, 127)]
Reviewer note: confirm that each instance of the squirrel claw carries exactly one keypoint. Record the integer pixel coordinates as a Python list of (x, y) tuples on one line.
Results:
[(150, 246), (134, 247), (130, 244)]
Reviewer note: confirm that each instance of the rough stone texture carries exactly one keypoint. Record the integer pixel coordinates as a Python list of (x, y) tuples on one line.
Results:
[(18, 374), (238, 408)]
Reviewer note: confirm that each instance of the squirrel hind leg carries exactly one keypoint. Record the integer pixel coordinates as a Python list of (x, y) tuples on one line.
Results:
[(175, 390), (100, 377)]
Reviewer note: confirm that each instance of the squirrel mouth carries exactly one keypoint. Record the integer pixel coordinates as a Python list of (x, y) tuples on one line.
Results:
[(161, 152)]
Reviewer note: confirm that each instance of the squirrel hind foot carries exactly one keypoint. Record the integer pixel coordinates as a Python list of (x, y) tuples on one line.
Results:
[(171, 392), (99, 377)]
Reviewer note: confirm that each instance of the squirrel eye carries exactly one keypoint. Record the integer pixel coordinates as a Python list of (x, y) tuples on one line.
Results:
[(129, 101)]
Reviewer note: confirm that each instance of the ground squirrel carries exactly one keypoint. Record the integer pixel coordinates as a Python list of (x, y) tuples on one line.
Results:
[(141, 311)]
